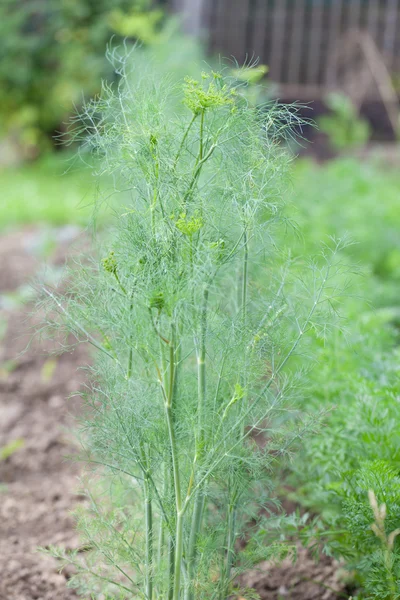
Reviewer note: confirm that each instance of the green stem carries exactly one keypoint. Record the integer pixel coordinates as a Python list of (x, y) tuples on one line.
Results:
[(155, 196), (119, 283), (130, 358), (178, 556), (176, 471), (197, 517), (160, 548), (245, 276), (198, 508), (227, 557), (184, 140), (201, 373), (169, 469), (171, 570), (201, 149), (230, 548), (201, 159), (196, 173), (149, 539), (148, 517)]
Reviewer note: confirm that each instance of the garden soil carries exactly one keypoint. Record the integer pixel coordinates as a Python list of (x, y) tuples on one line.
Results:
[(38, 486)]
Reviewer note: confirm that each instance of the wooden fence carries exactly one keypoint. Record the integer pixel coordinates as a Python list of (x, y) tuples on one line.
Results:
[(299, 40)]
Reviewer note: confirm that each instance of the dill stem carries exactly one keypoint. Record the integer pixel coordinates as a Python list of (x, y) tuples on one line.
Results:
[(201, 149), (197, 514), (201, 367), (176, 471), (197, 517), (153, 205), (161, 535), (178, 556), (130, 358), (245, 276), (119, 283), (201, 158), (149, 539), (184, 139), (148, 517), (230, 549), (169, 473), (196, 173), (171, 569)]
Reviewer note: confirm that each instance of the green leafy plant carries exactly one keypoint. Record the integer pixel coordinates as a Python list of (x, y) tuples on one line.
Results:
[(356, 380), (53, 54), (362, 434), (369, 534), (343, 126), (196, 313)]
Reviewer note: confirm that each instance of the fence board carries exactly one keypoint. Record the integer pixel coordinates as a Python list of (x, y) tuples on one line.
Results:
[(296, 46), (389, 38), (354, 14), (313, 54), (218, 26), (259, 28), (373, 18), (278, 38), (235, 15), (335, 19)]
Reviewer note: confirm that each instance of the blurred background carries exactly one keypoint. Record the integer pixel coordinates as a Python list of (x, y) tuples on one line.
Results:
[(53, 55)]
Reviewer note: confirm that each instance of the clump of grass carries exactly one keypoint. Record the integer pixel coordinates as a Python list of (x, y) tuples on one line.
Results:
[(196, 313)]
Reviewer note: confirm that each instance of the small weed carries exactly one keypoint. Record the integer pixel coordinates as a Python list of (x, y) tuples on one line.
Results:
[(11, 448), (343, 126), (47, 372)]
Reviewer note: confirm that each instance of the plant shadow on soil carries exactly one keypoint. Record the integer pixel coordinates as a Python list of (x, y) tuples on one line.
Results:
[(38, 485)]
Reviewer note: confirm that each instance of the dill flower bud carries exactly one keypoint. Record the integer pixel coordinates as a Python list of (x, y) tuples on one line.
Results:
[(110, 263), (198, 98)]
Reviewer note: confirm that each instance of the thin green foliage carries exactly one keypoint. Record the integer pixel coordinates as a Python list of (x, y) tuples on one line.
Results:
[(196, 314), (356, 381), (344, 126)]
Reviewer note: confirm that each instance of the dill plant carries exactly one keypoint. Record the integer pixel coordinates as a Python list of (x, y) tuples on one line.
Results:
[(195, 311)]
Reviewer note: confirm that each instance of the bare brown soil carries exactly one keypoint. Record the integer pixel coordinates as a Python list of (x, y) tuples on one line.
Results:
[(38, 486)]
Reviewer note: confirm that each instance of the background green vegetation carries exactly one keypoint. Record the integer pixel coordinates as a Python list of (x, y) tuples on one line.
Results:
[(356, 378), (49, 191), (52, 57)]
